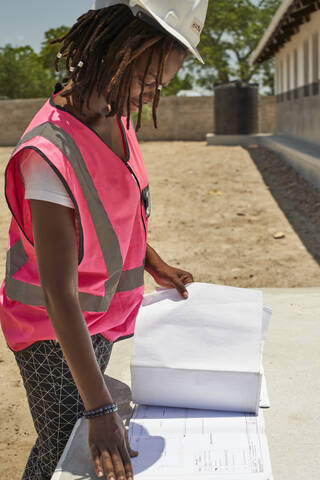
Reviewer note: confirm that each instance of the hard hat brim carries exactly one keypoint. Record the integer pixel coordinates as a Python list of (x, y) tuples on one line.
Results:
[(104, 3), (173, 32)]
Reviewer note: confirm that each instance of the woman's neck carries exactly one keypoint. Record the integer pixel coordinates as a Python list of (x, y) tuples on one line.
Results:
[(94, 115)]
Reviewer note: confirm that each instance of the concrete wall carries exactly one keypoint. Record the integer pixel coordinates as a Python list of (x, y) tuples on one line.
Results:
[(191, 118), (267, 114), (179, 118), (15, 115), (297, 83), (300, 117), (286, 78)]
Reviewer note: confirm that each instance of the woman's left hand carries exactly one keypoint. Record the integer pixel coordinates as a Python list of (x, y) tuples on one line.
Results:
[(171, 277)]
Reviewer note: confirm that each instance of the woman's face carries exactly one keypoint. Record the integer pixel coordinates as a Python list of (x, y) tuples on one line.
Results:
[(173, 63), (172, 66)]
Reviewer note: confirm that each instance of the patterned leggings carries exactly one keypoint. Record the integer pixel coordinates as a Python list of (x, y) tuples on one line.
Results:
[(53, 399)]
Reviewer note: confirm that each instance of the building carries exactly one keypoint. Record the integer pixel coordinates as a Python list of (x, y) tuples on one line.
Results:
[(292, 38)]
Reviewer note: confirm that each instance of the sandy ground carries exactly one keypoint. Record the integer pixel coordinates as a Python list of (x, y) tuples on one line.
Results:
[(216, 212)]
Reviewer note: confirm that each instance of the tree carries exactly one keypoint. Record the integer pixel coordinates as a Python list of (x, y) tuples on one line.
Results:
[(267, 76), (22, 74), (178, 84), (232, 31), (49, 52), (26, 74)]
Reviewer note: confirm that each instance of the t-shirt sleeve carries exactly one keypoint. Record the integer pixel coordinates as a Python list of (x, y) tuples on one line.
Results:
[(40, 180)]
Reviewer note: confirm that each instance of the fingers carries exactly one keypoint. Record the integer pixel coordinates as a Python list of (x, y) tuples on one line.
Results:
[(118, 464), (97, 464), (110, 453), (113, 466), (180, 287), (187, 278), (127, 464), (182, 279)]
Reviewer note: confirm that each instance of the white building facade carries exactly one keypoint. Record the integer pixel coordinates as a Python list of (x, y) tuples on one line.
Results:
[(293, 39)]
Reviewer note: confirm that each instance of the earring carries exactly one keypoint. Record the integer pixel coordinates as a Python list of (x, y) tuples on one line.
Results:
[(109, 108)]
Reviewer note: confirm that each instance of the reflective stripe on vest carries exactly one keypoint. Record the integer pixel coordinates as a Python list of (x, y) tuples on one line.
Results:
[(118, 280)]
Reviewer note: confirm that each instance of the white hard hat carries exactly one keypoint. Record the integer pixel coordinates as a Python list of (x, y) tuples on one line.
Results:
[(184, 19)]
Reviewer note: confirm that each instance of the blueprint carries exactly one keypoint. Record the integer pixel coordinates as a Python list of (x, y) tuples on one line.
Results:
[(176, 442)]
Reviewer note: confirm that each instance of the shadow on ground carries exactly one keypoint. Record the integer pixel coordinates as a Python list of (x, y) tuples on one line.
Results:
[(297, 198)]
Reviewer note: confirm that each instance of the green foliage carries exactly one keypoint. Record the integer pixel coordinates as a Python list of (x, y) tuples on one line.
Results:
[(232, 31), (146, 114), (26, 74), (178, 84), (267, 76), (49, 52), (22, 74)]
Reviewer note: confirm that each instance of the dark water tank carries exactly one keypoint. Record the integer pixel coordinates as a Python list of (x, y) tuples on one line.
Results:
[(235, 108)]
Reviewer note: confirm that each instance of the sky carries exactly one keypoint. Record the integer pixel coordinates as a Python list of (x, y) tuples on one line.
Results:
[(23, 22)]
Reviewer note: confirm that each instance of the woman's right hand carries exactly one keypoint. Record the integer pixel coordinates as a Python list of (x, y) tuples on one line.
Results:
[(109, 447)]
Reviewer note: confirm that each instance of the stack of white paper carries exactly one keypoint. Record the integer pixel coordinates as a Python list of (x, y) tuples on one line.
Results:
[(203, 352)]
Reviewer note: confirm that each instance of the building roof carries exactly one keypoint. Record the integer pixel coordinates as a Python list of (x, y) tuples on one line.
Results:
[(285, 23)]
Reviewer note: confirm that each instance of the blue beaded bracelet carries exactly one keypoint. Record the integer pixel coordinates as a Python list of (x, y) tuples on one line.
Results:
[(97, 412)]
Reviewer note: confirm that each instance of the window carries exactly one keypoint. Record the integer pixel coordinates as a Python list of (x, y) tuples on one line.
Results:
[(295, 73), (306, 67), (315, 64)]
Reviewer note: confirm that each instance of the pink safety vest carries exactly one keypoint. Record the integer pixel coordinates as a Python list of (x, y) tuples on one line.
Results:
[(111, 199)]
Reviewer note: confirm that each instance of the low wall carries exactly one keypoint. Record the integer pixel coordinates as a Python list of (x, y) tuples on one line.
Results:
[(191, 118), (15, 115), (179, 118), (267, 114), (300, 117)]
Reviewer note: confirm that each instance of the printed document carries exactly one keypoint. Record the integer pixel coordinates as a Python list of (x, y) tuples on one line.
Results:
[(181, 443)]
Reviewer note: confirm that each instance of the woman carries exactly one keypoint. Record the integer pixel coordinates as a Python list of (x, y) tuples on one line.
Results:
[(78, 192)]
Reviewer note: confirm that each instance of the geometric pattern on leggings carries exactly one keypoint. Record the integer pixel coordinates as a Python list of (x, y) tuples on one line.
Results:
[(54, 401)]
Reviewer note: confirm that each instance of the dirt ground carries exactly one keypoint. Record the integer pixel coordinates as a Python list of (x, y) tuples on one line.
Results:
[(229, 215)]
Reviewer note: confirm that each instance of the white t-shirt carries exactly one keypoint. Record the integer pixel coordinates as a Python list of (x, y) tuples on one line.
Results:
[(40, 180)]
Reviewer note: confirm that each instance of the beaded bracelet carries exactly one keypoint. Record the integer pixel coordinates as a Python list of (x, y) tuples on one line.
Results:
[(97, 412)]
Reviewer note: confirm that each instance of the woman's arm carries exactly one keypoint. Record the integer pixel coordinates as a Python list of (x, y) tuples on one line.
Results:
[(56, 252), (55, 245), (165, 275)]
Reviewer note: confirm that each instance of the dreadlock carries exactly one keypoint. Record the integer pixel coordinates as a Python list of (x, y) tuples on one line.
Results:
[(101, 51)]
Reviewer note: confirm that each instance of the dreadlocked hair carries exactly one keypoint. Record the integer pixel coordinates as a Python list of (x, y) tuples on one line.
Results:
[(101, 51)]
